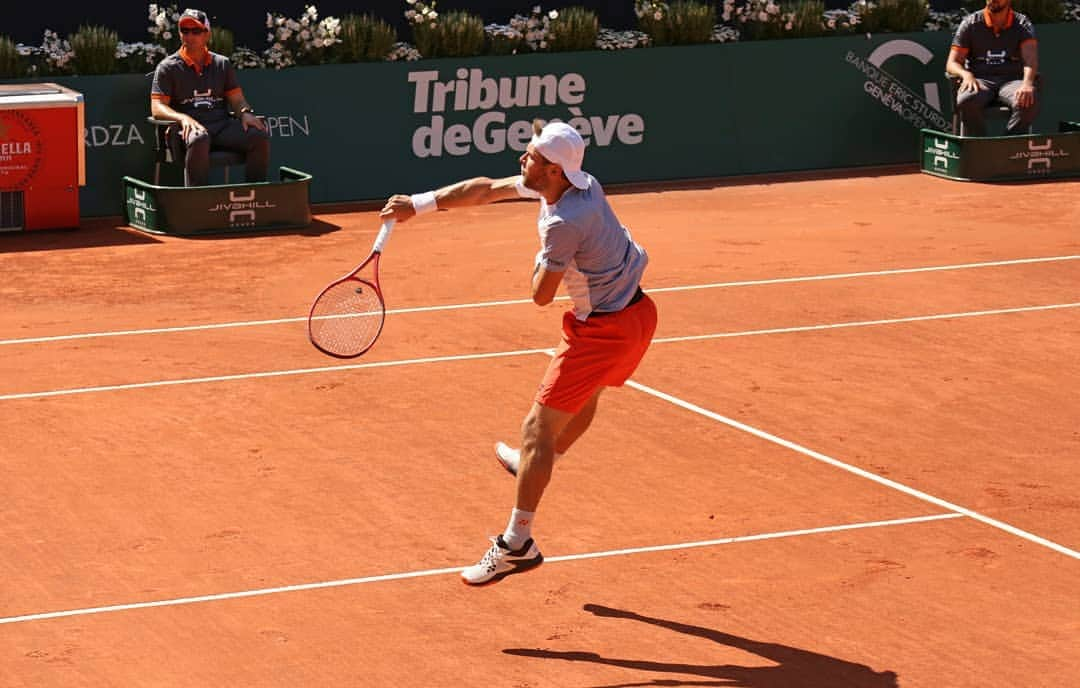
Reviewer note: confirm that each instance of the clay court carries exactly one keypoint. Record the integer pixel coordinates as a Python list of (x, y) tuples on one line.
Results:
[(848, 459)]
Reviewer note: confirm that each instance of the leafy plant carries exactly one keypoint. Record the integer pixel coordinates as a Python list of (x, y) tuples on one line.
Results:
[(460, 34), (10, 62), (222, 41), (365, 38), (652, 16), (94, 50), (808, 19), (690, 22), (891, 15), (1041, 11), (573, 28), (454, 34)]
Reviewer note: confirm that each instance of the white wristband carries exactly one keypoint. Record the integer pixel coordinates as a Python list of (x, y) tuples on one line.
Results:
[(424, 202)]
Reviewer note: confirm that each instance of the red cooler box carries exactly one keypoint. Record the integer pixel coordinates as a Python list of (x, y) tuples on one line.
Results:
[(42, 156)]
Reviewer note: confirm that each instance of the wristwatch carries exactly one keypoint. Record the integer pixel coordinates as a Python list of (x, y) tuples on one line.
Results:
[(246, 110)]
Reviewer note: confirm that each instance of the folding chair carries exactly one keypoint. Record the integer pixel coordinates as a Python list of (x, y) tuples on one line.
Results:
[(163, 152)]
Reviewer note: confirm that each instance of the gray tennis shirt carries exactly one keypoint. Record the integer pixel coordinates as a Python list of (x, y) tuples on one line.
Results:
[(994, 56), (197, 91), (580, 236)]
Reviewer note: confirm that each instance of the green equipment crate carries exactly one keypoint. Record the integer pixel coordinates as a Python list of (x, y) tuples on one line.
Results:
[(1003, 158), (223, 209)]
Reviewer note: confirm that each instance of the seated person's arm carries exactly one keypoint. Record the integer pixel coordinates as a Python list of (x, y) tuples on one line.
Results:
[(159, 109), (1029, 55), (954, 66), (161, 91), (238, 105)]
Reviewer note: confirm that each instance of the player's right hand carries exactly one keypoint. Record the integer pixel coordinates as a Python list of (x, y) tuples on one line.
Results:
[(398, 207), (190, 126), (969, 84)]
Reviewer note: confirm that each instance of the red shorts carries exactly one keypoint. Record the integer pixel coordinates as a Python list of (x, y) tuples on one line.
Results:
[(602, 351)]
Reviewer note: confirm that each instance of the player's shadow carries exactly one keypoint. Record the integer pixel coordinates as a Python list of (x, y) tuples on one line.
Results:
[(794, 668)]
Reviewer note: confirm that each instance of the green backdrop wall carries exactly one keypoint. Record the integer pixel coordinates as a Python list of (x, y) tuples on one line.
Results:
[(365, 131)]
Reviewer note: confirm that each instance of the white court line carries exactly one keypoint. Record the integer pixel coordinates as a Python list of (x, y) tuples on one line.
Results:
[(521, 352), (918, 494), (514, 302), (270, 373), (865, 323), (445, 571)]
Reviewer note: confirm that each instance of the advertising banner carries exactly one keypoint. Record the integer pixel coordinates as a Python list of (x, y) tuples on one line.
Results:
[(365, 131)]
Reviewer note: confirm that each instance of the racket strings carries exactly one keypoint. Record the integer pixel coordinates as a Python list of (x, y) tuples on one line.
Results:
[(347, 317)]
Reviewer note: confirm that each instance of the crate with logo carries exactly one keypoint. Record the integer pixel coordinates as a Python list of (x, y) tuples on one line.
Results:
[(227, 208), (42, 156), (1003, 158)]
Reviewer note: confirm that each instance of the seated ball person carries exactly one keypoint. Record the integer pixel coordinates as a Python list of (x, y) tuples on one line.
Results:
[(198, 89)]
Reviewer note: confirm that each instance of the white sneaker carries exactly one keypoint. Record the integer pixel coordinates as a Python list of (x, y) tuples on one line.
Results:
[(508, 457), (500, 561)]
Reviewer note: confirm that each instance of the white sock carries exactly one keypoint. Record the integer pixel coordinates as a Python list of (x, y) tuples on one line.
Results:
[(519, 529)]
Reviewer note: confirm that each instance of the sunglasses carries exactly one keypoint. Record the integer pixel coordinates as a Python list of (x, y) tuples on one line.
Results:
[(194, 31)]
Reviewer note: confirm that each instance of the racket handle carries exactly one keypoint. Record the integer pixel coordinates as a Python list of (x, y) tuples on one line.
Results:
[(384, 234)]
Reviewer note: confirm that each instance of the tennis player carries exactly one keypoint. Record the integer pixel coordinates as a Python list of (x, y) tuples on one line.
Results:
[(605, 334)]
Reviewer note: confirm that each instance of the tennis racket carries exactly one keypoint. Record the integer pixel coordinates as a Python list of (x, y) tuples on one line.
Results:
[(348, 315)]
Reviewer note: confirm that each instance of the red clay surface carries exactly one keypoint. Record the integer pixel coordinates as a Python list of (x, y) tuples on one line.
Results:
[(163, 492)]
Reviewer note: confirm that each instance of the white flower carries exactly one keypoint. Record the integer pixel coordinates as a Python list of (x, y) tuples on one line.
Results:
[(553, 14), (763, 16), (658, 16), (167, 35)]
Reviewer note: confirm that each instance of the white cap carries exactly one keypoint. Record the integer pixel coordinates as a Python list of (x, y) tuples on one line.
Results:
[(561, 144)]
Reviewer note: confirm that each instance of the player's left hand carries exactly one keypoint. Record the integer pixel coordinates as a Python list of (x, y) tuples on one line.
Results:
[(1025, 96), (250, 120)]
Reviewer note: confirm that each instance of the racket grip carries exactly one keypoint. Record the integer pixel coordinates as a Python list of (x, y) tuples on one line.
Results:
[(384, 234)]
